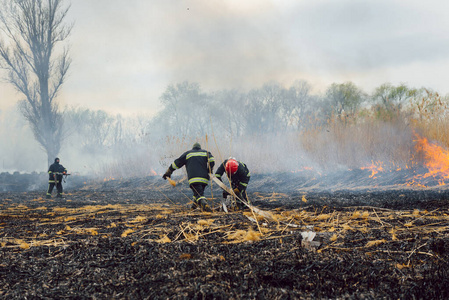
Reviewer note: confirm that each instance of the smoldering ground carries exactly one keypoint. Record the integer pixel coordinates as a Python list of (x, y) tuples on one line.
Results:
[(139, 238)]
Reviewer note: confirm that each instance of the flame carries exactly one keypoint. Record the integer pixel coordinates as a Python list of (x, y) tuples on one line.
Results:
[(302, 169), (428, 155), (375, 168), (153, 172), (415, 184), (436, 160)]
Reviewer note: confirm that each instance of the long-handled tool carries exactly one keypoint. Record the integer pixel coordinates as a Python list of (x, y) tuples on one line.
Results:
[(231, 192), (224, 187)]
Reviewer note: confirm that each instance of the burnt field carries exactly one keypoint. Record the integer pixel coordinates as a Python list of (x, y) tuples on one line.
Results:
[(348, 236)]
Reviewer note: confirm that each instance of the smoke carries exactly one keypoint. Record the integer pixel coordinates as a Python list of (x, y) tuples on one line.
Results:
[(19, 151)]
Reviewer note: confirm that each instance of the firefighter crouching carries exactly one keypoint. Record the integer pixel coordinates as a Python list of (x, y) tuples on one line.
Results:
[(238, 175), (55, 173), (199, 163)]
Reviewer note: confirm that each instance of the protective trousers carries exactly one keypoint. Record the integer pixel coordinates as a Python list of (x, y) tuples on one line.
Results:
[(198, 196), (51, 185), (198, 190)]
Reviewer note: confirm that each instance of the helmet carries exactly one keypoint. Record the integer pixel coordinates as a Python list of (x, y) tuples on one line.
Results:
[(196, 146), (57, 160), (231, 166)]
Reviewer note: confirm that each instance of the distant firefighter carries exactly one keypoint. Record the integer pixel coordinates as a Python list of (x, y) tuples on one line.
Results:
[(199, 163), (238, 175), (55, 173)]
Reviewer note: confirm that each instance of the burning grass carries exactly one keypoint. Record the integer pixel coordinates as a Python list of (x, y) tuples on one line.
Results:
[(86, 247)]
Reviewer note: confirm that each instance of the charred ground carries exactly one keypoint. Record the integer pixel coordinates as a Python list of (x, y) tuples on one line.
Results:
[(137, 239)]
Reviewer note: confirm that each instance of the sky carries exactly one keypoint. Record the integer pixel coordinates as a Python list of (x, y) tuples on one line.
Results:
[(125, 53)]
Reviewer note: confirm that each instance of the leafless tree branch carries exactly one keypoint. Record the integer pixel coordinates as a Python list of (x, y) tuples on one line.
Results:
[(32, 30)]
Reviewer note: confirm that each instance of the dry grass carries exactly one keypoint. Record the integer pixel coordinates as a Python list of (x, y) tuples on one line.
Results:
[(354, 143), (150, 223), (431, 118)]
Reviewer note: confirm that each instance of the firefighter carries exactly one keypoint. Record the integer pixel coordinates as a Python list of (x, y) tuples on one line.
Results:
[(55, 173), (238, 175), (199, 163)]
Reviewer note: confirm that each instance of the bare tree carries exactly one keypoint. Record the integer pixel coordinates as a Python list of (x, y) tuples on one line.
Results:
[(95, 129), (32, 29), (263, 107), (229, 112), (295, 104), (185, 110)]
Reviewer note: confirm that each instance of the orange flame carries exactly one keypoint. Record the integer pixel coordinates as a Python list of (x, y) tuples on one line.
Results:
[(429, 159), (375, 168), (432, 157), (436, 160), (302, 169)]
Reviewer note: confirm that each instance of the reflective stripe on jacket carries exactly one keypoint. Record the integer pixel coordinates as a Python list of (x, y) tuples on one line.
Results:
[(198, 164)]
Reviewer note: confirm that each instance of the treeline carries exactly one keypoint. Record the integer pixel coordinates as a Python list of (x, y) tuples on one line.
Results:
[(285, 127), (188, 111)]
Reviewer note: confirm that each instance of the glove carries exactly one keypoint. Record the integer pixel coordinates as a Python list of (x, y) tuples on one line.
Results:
[(167, 174), (236, 190)]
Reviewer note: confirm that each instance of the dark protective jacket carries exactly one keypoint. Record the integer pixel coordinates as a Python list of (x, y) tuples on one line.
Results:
[(240, 179), (56, 168), (198, 164)]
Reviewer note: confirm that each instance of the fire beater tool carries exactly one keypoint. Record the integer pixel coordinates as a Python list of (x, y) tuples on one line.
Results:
[(231, 192), (172, 182)]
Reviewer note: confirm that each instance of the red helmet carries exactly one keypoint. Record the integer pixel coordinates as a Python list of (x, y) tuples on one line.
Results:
[(231, 166)]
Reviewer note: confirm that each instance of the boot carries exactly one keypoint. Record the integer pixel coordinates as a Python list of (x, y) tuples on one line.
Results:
[(203, 204), (240, 205), (194, 204), (48, 197)]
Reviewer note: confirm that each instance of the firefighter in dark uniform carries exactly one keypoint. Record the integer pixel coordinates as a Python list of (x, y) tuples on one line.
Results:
[(238, 175), (199, 163), (55, 173)]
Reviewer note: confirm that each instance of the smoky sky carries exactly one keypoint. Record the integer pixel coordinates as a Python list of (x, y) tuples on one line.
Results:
[(365, 35), (126, 53)]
